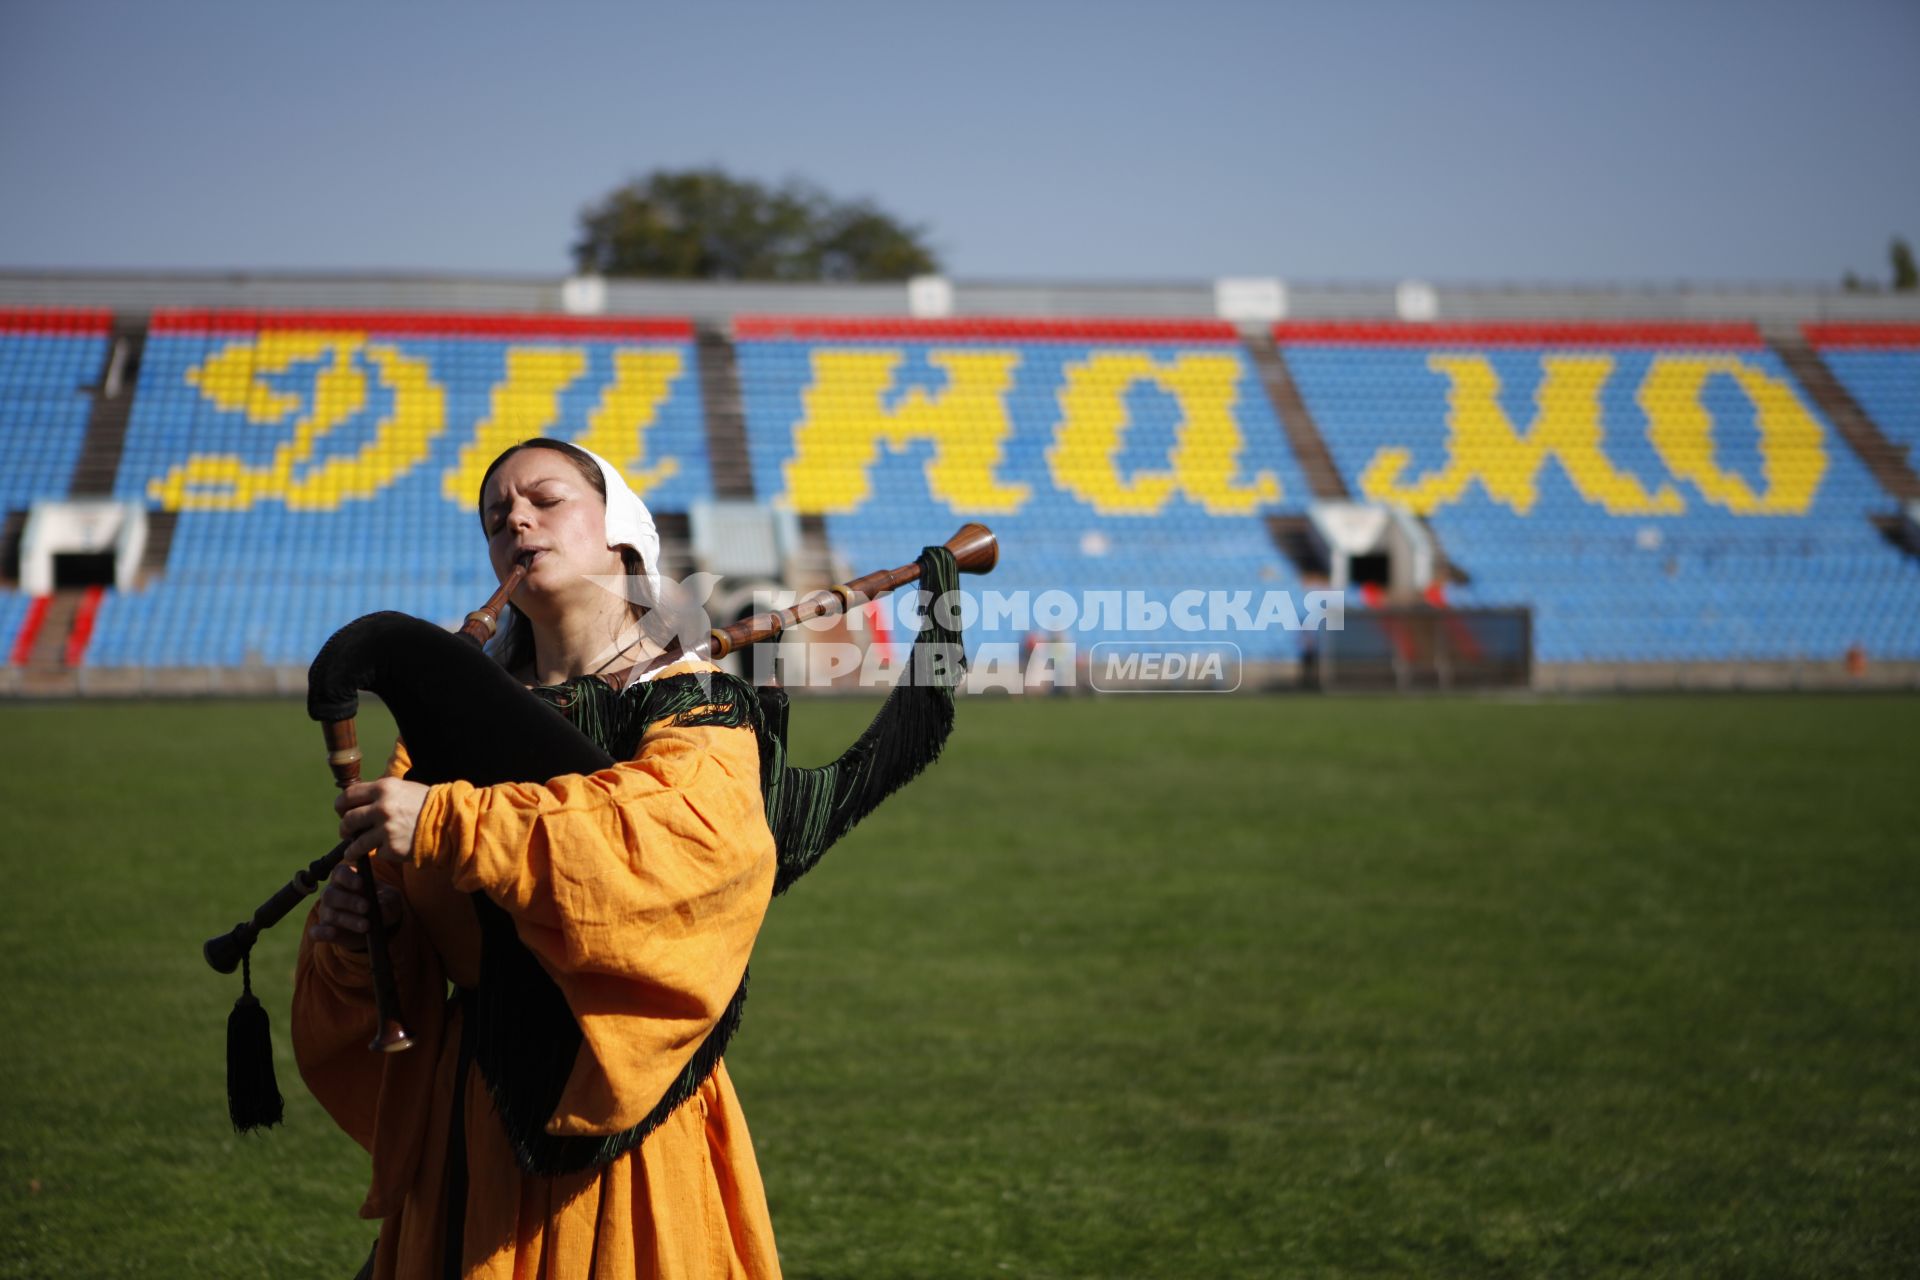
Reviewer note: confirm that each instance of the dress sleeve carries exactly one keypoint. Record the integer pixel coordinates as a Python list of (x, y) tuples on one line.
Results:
[(640, 889), (380, 1100)]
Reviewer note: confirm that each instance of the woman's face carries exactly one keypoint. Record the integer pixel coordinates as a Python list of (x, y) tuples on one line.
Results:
[(538, 505)]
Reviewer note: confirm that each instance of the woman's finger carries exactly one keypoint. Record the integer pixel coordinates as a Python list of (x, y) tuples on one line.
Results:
[(344, 920), (345, 877), (339, 935), (353, 797), (360, 847), (343, 900), (354, 821), (391, 806), (343, 916)]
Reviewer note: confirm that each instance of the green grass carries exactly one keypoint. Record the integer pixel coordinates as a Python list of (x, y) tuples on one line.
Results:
[(1150, 986)]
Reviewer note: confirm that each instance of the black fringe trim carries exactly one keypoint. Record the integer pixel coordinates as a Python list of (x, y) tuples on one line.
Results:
[(526, 1041)]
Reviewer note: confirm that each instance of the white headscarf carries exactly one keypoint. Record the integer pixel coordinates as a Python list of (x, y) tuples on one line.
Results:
[(630, 524)]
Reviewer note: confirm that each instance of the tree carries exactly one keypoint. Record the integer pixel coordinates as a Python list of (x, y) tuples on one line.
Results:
[(704, 224), (1905, 278)]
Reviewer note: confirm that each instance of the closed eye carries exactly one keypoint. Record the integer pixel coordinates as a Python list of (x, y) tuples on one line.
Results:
[(498, 522)]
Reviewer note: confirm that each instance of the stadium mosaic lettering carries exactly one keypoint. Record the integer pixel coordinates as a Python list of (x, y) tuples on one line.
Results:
[(857, 400), (314, 419), (317, 419), (1645, 492), (1648, 493), (1485, 444), (1144, 466)]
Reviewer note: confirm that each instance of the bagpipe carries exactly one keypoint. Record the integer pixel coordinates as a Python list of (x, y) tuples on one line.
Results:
[(463, 717)]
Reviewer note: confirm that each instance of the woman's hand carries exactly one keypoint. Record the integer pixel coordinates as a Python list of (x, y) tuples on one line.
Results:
[(342, 918), (373, 815), (379, 815)]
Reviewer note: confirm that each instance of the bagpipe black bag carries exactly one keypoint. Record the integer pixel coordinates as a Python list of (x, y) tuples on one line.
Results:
[(463, 718)]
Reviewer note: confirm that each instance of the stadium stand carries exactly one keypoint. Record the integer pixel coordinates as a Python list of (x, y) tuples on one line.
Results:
[(324, 466), (1110, 457), (1879, 365), (49, 361), (1655, 492)]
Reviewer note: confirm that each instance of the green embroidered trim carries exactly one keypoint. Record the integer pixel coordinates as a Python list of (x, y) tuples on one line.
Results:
[(617, 719), (810, 809)]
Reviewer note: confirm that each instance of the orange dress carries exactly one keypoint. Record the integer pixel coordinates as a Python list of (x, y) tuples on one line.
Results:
[(640, 889)]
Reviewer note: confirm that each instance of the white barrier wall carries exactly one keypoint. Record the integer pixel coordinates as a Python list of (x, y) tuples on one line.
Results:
[(82, 527)]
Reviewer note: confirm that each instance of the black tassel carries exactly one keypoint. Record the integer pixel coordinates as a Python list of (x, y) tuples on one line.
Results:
[(253, 1095)]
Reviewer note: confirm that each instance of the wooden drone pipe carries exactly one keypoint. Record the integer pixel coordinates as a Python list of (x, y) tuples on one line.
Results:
[(390, 1034), (975, 550)]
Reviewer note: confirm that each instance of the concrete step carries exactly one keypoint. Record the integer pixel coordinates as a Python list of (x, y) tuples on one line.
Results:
[(12, 525), (676, 544), (99, 462), (1293, 538), (153, 561), (1885, 460), (727, 456), (1296, 420), (48, 652)]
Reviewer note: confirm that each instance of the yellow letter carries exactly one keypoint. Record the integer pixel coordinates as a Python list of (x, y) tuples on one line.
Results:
[(1483, 445), (524, 405), (617, 431), (400, 442), (1793, 455), (844, 421), (1207, 442), (232, 380)]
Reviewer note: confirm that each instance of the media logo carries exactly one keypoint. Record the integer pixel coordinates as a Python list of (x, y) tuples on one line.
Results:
[(1191, 666)]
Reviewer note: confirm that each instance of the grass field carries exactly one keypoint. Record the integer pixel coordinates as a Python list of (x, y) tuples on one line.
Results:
[(1133, 987)]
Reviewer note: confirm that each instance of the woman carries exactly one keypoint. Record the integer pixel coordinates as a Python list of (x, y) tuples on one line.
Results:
[(633, 895)]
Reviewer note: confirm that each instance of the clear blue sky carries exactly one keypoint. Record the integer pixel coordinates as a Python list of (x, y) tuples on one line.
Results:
[(1608, 142)]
